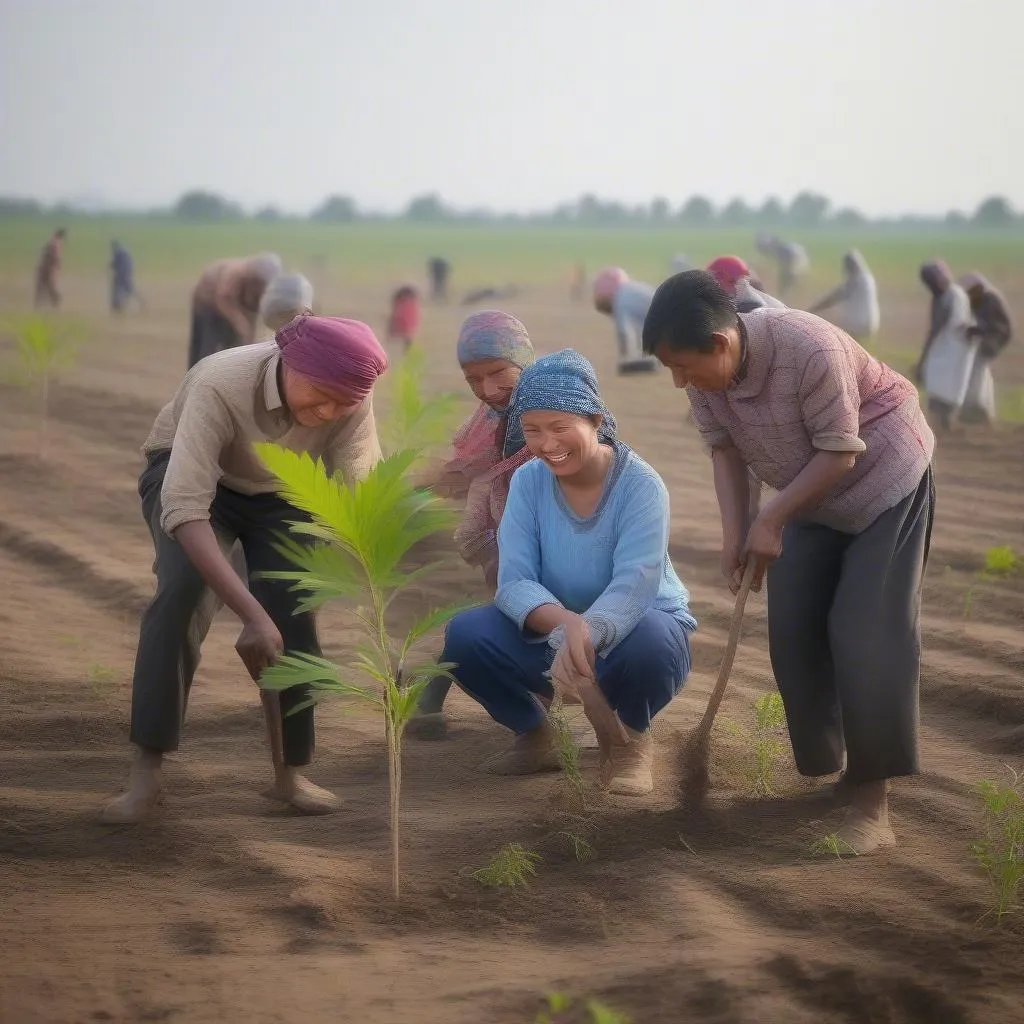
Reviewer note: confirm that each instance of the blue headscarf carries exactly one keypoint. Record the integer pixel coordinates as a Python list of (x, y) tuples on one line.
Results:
[(561, 382)]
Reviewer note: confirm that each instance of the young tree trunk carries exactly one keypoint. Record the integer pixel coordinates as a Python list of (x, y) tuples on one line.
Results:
[(45, 411), (395, 790)]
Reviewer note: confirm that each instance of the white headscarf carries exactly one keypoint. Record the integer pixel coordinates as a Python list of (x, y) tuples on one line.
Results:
[(286, 297)]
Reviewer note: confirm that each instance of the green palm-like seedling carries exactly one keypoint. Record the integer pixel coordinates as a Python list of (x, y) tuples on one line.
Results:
[(42, 351), (357, 539), (415, 422), (1001, 851)]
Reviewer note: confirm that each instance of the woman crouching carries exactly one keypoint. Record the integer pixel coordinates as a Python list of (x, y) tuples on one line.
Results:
[(585, 585)]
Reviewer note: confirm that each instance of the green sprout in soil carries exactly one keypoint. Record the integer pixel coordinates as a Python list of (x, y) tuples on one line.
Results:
[(510, 868), (764, 742), (101, 679), (832, 845), (560, 1008), (581, 849), (354, 548), (1000, 561), (414, 421), (568, 750), (42, 350), (1001, 852)]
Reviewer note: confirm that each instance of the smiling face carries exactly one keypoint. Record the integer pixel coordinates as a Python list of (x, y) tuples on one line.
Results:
[(314, 404), (492, 381), (709, 371), (566, 443)]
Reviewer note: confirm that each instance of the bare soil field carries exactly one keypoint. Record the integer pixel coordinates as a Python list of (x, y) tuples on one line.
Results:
[(224, 908)]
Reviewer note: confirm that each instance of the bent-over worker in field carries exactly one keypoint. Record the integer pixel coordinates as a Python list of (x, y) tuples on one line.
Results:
[(586, 589), (993, 330), (951, 347), (855, 300), (48, 270), (286, 297), (226, 302), (202, 489), (843, 440), (790, 258), (493, 349), (404, 317), (626, 302), (122, 278), (733, 274)]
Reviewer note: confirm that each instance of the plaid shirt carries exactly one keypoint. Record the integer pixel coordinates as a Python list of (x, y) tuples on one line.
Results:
[(226, 403), (810, 387)]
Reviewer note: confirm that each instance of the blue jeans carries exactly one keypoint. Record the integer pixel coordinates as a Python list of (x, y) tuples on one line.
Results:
[(501, 670)]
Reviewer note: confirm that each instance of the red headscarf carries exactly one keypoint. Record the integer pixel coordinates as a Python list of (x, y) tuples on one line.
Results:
[(728, 271), (342, 354)]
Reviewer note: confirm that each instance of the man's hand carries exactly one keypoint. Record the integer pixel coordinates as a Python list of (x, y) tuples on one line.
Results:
[(732, 563), (764, 545), (258, 645)]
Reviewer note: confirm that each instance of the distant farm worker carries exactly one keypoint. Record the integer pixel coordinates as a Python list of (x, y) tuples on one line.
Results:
[(226, 302), (578, 281), (47, 291), (438, 270), (286, 297), (122, 278), (842, 439), (586, 589), (493, 349), (855, 300), (950, 349), (404, 318), (626, 302), (993, 329), (790, 258), (202, 489), (733, 274)]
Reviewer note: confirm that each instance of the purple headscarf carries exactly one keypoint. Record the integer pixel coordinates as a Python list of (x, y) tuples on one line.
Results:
[(344, 355)]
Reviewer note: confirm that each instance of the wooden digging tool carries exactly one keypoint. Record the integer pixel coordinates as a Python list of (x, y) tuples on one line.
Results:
[(272, 713), (696, 780)]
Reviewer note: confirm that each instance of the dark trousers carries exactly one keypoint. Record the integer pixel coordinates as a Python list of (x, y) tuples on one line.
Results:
[(46, 291), (210, 333), (844, 631), (179, 616), (496, 666)]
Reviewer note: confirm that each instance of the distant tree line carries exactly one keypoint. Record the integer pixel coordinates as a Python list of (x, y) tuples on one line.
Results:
[(806, 210)]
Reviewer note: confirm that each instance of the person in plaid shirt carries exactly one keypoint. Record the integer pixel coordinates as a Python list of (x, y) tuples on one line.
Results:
[(843, 441)]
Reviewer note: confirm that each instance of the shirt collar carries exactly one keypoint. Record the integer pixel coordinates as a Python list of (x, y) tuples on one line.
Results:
[(752, 372), (272, 397)]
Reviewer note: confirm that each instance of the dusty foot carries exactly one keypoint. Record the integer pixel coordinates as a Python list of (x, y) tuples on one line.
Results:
[(628, 769), (586, 738), (532, 752), (841, 790), (865, 833), (428, 726), (142, 796), (298, 792)]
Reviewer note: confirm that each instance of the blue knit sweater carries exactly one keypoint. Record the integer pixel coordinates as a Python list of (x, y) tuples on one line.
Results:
[(612, 567)]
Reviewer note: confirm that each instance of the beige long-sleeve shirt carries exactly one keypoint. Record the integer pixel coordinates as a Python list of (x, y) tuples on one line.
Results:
[(228, 402)]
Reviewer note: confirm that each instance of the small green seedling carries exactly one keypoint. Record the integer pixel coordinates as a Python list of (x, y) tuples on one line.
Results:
[(101, 678), (42, 350), (834, 845), (1000, 561), (1001, 852), (414, 422), (510, 868), (764, 742), (568, 750), (353, 548), (562, 1009), (581, 849)]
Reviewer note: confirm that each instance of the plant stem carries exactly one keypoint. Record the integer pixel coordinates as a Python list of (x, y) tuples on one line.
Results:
[(395, 786)]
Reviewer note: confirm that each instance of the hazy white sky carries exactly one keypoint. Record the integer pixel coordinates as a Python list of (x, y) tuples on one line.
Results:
[(888, 105)]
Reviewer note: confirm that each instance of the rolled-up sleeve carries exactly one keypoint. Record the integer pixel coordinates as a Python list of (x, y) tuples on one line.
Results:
[(830, 403), (355, 449), (204, 429), (712, 433), (520, 591)]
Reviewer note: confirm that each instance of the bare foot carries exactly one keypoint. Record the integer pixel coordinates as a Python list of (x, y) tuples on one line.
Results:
[(143, 793), (298, 792), (865, 834)]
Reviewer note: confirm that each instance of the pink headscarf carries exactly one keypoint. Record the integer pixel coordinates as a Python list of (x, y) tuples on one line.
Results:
[(607, 283), (728, 271), (342, 354)]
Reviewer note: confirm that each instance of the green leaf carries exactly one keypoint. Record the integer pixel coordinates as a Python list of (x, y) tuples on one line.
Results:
[(431, 621), (310, 670)]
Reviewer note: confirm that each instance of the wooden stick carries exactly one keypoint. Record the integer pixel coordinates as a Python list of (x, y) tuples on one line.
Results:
[(272, 714), (703, 729)]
